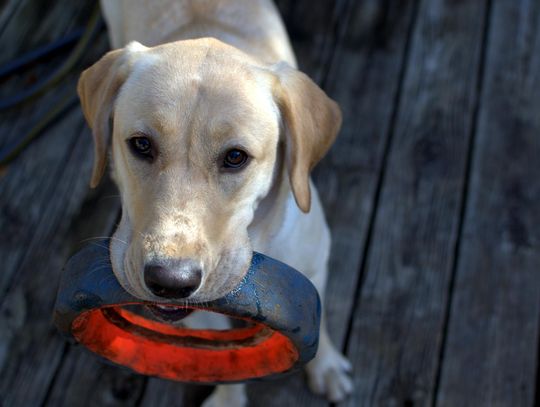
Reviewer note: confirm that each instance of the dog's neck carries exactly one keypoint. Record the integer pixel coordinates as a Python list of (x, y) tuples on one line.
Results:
[(253, 27)]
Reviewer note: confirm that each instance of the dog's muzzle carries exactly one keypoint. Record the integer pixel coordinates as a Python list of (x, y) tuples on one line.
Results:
[(281, 306)]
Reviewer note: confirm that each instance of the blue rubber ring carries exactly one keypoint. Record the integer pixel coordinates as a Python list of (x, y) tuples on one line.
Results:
[(271, 293)]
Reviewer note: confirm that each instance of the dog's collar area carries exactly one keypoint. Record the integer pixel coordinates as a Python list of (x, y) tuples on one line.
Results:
[(281, 306)]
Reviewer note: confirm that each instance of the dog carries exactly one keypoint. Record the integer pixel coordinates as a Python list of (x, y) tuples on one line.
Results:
[(212, 133)]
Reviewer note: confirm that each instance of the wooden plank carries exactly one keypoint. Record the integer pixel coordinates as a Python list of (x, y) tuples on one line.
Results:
[(40, 195), (491, 353), (22, 208), (364, 80), (35, 348), (399, 313), (85, 380), (371, 59)]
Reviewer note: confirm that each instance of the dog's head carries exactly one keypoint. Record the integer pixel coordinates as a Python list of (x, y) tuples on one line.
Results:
[(194, 129)]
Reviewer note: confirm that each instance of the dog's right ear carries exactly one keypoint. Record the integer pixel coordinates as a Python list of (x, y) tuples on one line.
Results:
[(97, 89)]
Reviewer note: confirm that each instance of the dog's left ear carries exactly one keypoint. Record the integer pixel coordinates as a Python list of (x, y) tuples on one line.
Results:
[(311, 122)]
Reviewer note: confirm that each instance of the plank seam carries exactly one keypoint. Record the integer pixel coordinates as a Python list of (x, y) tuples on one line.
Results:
[(52, 383), (382, 173), (536, 401), (465, 190), (139, 400), (338, 33)]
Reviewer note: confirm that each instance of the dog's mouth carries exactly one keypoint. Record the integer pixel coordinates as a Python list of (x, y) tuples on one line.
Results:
[(169, 313)]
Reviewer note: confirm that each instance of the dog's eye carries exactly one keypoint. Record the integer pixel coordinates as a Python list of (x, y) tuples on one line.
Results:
[(235, 159), (141, 146)]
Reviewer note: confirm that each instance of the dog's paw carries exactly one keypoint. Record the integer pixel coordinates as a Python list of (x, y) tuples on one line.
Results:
[(233, 395), (329, 375)]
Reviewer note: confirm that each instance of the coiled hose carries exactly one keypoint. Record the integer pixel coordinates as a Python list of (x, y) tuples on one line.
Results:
[(94, 25)]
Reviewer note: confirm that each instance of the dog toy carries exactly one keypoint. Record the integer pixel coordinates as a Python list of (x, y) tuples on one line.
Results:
[(281, 306)]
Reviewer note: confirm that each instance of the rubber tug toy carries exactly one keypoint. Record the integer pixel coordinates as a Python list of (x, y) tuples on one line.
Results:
[(279, 304)]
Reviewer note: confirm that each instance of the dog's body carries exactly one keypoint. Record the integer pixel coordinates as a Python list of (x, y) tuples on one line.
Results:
[(217, 88)]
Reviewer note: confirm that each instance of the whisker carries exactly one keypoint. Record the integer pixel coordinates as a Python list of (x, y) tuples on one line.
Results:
[(103, 280), (105, 237), (101, 246)]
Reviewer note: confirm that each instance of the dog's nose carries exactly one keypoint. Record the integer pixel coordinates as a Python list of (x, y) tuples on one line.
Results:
[(177, 280)]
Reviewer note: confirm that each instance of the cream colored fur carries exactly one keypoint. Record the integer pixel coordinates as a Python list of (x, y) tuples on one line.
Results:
[(213, 75)]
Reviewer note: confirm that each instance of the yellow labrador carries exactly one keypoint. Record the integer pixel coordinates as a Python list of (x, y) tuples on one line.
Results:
[(212, 134)]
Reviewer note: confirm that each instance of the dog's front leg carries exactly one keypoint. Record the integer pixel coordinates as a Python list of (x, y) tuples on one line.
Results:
[(329, 373)]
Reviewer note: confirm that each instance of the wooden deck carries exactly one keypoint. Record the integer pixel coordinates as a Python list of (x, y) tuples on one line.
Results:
[(432, 193)]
